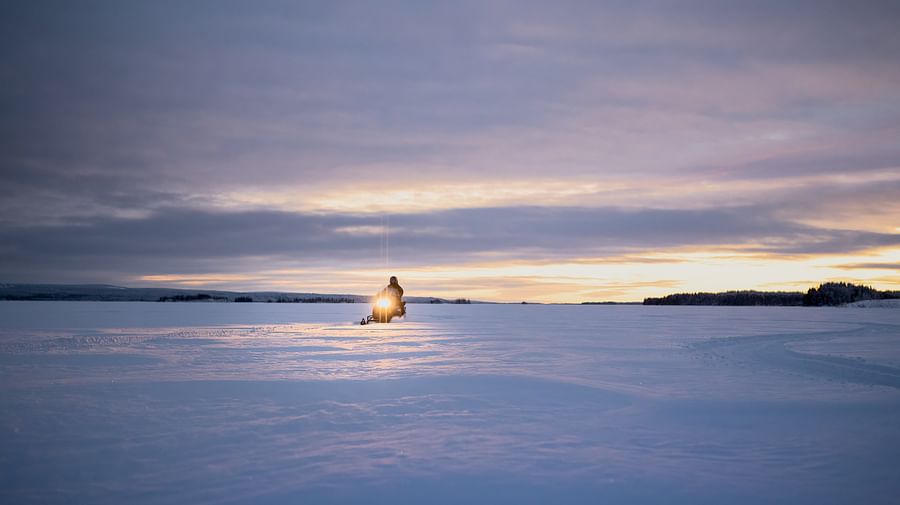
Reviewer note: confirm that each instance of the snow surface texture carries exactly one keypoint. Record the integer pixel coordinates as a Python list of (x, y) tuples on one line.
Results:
[(876, 304), (268, 403)]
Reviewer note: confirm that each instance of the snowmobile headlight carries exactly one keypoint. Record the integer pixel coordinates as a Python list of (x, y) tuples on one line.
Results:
[(384, 303)]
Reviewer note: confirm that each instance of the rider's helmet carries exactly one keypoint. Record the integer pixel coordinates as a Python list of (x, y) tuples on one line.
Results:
[(393, 280)]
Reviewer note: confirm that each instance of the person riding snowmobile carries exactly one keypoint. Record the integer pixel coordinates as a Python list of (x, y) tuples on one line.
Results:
[(388, 304), (395, 292)]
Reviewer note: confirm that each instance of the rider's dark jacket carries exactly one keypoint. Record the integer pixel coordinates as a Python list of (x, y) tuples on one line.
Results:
[(394, 290)]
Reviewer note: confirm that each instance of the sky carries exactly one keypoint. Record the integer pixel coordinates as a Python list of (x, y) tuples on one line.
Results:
[(560, 151)]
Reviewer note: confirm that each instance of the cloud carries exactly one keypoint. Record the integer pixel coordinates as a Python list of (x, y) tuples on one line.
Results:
[(871, 266), (212, 137), (193, 242), (169, 98)]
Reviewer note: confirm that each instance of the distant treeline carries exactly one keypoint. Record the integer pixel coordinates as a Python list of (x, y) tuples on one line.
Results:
[(200, 297), (839, 293), (315, 299), (828, 294), (463, 301), (203, 297), (730, 298), (108, 293), (47, 297)]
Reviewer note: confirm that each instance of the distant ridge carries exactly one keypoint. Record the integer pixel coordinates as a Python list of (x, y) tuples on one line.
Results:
[(110, 293)]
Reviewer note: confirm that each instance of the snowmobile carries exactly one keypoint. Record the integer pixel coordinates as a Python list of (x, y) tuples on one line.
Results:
[(384, 309)]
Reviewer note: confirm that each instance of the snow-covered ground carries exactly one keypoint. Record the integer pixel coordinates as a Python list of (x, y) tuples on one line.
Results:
[(267, 403), (877, 304)]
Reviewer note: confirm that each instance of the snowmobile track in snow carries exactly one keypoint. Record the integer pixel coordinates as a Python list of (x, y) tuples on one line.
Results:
[(772, 351)]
